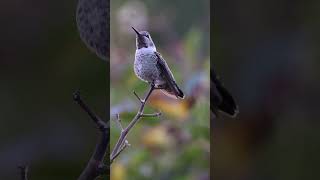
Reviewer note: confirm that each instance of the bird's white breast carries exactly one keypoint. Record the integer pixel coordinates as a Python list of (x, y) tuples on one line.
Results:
[(145, 64), (147, 50)]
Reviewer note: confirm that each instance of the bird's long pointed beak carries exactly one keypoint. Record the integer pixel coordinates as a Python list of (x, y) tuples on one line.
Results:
[(136, 31)]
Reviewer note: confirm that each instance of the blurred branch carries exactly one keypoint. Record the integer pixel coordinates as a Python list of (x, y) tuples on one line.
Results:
[(23, 172), (95, 166), (122, 142)]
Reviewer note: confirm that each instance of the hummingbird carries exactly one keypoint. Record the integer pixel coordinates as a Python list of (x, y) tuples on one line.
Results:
[(150, 66), (220, 98)]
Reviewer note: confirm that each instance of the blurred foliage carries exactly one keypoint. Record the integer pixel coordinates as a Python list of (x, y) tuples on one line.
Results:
[(176, 145)]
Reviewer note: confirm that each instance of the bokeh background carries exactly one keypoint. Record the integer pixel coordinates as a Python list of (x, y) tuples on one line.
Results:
[(42, 62), (176, 145), (267, 54)]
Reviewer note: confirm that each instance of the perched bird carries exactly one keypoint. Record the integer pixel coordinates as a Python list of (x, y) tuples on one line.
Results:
[(150, 67), (220, 98)]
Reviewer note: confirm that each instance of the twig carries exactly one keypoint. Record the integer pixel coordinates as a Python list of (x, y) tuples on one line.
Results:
[(122, 142), (138, 97), (95, 166), (118, 121), (125, 143), (152, 115), (23, 172)]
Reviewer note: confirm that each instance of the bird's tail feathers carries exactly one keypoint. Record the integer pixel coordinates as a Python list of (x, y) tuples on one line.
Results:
[(174, 92), (228, 104)]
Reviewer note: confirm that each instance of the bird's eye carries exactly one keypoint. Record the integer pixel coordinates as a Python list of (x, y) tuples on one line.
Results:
[(147, 36)]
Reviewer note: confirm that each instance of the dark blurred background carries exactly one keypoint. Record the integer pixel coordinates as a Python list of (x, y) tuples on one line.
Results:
[(42, 62), (266, 52)]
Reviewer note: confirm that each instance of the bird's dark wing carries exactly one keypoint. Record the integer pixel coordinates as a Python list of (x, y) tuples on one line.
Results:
[(220, 97), (171, 85)]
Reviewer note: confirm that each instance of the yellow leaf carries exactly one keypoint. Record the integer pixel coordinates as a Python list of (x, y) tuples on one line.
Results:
[(156, 137), (118, 171), (179, 108)]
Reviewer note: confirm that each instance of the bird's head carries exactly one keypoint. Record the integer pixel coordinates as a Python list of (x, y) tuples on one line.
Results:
[(144, 40)]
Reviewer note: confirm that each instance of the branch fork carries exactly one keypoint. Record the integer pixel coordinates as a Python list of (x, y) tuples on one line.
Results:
[(122, 142), (95, 167)]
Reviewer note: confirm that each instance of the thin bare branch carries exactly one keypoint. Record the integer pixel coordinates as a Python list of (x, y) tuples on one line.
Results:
[(151, 115), (118, 121), (93, 168), (96, 119), (122, 142), (141, 100), (126, 144)]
